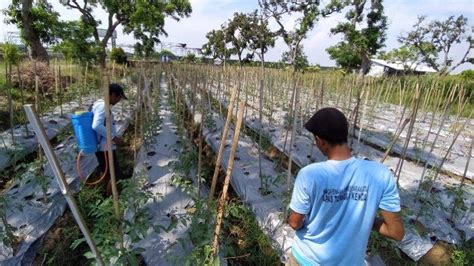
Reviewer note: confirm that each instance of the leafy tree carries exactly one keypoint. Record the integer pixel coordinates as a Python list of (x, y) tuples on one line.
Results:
[(216, 45), (166, 55), (407, 55), (300, 61), (146, 19), (344, 56), (364, 35), (190, 58), (75, 43), (262, 38), (11, 54), (38, 22), (309, 11), (238, 33), (467, 74), (118, 55), (11, 57), (145, 48), (435, 40)]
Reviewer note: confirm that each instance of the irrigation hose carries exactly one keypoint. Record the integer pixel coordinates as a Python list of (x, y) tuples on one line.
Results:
[(82, 178)]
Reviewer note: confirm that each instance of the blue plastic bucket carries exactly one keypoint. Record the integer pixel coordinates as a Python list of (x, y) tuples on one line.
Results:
[(85, 135)]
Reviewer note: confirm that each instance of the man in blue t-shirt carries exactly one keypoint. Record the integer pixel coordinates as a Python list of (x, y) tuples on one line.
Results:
[(334, 203)]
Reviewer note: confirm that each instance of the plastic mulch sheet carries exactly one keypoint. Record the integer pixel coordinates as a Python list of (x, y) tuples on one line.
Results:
[(31, 212)]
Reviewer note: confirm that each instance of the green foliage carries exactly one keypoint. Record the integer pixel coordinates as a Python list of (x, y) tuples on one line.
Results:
[(435, 39), (45, 20), (467, 75), (145, 48), (7, 236), (167, 54), (261, 38), (405, 54), (245, 237), (360, 43), (301, 60), (41, 180), (190, 58), (118, 55), (248, 32), (464, 255), (11, 54), (309, 12), (134, 196), (103, 223), (145, 19), (344, 56), (75, 43), (216, 45)]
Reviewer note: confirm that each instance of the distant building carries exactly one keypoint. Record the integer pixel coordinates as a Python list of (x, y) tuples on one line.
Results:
[(380, 68)]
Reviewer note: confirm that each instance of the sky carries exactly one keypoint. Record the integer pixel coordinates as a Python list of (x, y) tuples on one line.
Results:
[(211, 14)]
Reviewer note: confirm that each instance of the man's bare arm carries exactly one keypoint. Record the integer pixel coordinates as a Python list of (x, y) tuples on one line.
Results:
[(295, 220), (390, 225)]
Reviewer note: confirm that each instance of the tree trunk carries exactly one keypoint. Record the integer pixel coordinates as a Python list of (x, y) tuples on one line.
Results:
[(102, 56), (36, 49), (364, 67)]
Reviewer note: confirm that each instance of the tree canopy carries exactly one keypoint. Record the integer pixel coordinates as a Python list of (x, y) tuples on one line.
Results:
[(216, 45), (300, 61), (145, 19), (434, 42), (38, 23), (364, 35), (309, 12)]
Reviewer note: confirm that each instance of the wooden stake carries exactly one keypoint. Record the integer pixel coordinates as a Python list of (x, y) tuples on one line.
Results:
[(398, 170), (463, 179), (230, 165), (222, 143), (108, 125)]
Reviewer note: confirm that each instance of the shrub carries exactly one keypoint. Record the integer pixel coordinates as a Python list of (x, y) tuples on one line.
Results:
[(118, 55), (45, 74), (10, 53)]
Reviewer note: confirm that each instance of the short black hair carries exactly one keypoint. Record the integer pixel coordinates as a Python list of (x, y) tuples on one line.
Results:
[(116, 89), (329, 124)]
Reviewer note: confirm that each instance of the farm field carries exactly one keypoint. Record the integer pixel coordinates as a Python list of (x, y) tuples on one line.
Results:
[(433, 172), (236, 133)]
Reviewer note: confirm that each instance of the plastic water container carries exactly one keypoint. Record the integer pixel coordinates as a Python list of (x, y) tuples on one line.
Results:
[(85, 135)]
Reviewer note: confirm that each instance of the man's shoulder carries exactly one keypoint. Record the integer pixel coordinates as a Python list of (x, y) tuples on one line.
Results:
[(311, 169), (374, 169), (98, 104), (376, 166)]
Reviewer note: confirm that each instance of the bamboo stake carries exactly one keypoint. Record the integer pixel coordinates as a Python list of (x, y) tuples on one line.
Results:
[(230, 165), (364, 112), (398, 170), (438, 168), (292, 141), (469, 154), (260, 121), (200, 137), (355, 113), (395, 138), (22, 96), (108, 125), (60, 91), (291, 112), (445, 113), (8, 76), (222, 143), (137, 112)]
